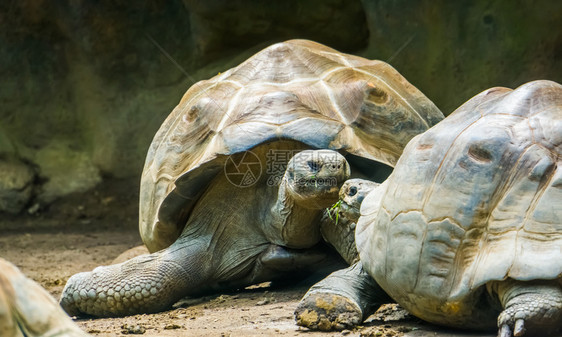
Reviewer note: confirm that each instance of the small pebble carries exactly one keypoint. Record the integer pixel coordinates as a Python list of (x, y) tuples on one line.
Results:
[(172, 327), (132, 330), (263, 302)]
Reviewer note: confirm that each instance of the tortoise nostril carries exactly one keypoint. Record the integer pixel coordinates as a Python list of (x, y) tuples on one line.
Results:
[(314, 166), (352, 191)]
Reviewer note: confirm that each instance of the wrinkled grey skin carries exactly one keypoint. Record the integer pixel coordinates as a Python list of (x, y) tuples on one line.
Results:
[(235, 237), (26, 309)]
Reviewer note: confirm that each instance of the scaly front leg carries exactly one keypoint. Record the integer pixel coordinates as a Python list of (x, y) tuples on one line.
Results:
[(147, 283)]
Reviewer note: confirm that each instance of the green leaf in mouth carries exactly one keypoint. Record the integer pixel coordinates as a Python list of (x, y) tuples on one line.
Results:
[(335, 209)]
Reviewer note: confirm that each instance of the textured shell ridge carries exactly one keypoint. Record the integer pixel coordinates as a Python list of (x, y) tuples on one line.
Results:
[(396, 92), (176, 124), (474, 121), (278, 62), (482, 272)]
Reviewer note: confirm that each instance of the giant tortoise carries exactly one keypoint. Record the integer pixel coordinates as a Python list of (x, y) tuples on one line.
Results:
[(221, 205), (467, 230)]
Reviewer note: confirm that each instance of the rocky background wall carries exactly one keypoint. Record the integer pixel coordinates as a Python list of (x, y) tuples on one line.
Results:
[(84, 85)]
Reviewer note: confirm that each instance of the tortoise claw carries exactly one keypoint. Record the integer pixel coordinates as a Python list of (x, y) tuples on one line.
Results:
[(519, 329), (505, 331), (532, 310)]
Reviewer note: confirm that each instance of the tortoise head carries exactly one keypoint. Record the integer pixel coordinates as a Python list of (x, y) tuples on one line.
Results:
[(351, 195), (314, 177)]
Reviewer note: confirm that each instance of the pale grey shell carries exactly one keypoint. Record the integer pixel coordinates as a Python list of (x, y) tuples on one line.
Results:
[(474, 199), (26, 309), (297, 90)]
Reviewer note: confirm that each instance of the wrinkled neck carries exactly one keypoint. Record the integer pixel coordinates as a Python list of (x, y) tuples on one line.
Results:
[(293, 225)]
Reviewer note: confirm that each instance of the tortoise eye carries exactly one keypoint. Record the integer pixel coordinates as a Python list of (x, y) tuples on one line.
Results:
[(352, 191), (478, 153)]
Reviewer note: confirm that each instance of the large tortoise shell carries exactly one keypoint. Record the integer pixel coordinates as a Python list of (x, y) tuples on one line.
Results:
[(474, 199), (297, 90)]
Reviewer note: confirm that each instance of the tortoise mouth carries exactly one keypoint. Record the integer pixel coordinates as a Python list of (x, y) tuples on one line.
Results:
[(316, 192), (350, 212), (316, 184)]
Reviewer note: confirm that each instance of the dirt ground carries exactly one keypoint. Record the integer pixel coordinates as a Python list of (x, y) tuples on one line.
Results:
[(84, 231)]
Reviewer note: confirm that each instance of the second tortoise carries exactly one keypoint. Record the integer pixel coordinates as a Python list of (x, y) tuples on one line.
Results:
[(467, 230)]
